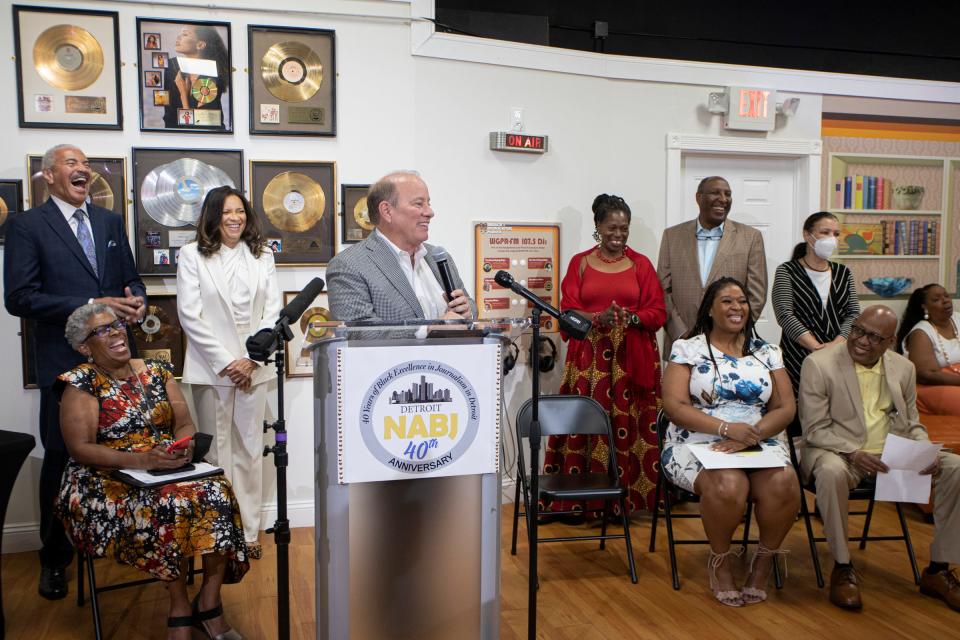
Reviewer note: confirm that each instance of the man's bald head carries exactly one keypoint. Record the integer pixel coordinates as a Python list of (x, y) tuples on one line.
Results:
[(871, 335)]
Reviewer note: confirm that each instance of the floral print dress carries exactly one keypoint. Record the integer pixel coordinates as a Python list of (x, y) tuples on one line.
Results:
[(151, 529), (736, 390)]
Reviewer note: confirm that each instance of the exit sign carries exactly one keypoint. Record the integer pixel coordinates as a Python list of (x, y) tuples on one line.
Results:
[(751, 109), (510, 141)]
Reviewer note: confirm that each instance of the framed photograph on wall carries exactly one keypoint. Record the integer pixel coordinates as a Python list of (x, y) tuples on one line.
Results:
[(160, 336), (11, 203), (355, 224), (312, 326), (293, 81), (169, 186), (68, 68), (296, 204), (186, 79), (108, 183)]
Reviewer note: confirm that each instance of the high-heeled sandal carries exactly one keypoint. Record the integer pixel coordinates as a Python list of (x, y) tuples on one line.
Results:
[(731, 598), (752, 595), (179, 621), (200, 617)]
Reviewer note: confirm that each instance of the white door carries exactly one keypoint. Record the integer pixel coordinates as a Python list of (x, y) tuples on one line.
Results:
[(764, 197)]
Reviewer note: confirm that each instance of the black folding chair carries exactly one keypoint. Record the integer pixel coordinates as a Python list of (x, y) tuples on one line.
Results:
[(672, 494), (864, 491), (86, 561), (572, 415)]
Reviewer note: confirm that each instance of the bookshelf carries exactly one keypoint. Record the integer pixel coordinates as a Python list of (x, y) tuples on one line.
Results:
[(936, 175)]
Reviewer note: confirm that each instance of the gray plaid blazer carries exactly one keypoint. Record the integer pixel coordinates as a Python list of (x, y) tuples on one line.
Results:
[(366, 283)]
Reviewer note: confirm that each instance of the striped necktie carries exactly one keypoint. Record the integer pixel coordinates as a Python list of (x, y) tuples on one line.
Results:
[(85, 239)]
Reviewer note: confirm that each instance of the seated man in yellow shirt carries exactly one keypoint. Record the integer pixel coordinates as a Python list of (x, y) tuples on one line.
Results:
[(851, 396)]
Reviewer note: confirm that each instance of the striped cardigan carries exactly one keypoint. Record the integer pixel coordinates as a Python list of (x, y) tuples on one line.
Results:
[(799, 309)]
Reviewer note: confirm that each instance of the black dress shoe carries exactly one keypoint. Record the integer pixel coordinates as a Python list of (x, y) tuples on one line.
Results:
[(53, 583)]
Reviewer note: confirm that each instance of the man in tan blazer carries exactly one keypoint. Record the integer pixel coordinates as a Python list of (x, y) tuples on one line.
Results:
[(697, 252), (851, 396)]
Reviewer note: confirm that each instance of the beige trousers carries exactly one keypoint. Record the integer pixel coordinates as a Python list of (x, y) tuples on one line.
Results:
[(235, 420), (834, 479)]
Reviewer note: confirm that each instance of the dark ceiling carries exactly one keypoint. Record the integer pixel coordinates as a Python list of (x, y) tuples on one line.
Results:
[(919, 39)]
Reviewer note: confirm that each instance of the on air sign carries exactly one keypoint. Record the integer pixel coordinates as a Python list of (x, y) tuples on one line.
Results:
[(512, 141)]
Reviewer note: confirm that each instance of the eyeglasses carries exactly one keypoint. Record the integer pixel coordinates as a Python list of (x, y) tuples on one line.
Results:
[(104, 330), (857, 332)]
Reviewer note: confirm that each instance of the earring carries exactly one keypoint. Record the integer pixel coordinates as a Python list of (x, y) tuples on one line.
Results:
[(596, 235), (90, 359), (926, 316)]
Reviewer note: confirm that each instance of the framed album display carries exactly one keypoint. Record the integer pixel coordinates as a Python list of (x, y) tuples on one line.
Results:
[(68, 68), (186, 75), (169, 186), (11, 203), (355, 225), (160, 336), (293, 81), (108, 183), (312, 326), (28, 353), (296, 204)]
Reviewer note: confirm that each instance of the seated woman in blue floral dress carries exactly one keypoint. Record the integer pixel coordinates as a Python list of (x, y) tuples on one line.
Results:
[(121, 413), (726, 386)]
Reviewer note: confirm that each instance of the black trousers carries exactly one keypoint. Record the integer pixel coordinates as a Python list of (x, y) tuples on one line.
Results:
[(57, 551)]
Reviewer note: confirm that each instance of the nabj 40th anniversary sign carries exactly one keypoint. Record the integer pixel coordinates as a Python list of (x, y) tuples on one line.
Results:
[(418, 412)]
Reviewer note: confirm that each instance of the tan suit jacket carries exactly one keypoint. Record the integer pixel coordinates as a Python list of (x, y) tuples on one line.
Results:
[(740, 255), (831, 408)]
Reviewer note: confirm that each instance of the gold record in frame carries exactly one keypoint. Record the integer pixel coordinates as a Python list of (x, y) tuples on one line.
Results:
[(154, 327), (68, 57), (204, 90), (293, 201), (3, 211), (309, 324), (362, 215), (291, 71)]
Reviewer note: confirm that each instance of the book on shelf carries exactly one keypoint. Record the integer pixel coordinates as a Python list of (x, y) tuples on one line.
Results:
[(908, 237), (837, 202), (871, 196), (848, 192), (880, 193), (858, 192)]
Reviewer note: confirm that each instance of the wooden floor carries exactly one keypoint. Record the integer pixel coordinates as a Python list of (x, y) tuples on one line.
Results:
[(585, 594)]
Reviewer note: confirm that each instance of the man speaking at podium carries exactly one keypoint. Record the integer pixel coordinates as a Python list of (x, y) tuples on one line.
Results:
[(393, 275)]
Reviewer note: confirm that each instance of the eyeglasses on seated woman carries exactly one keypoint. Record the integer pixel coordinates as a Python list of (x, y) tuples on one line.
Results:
[(117, 412)]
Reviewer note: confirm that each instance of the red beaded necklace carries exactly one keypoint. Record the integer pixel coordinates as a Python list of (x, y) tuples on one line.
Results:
[(609, 260)]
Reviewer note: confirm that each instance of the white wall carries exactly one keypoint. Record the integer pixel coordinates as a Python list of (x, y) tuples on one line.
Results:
[(397, 110)]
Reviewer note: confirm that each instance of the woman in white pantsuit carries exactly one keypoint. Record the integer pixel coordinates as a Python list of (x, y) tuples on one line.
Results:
[(226, 291)]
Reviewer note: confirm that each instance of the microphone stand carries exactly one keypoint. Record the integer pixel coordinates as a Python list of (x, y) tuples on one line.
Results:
[(534, 510), (281, 527)]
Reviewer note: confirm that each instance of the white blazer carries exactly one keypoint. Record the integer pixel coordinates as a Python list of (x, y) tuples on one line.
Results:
[(206, 315)]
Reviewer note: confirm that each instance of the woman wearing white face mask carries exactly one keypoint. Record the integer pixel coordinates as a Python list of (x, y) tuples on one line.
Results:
[(814, 299)]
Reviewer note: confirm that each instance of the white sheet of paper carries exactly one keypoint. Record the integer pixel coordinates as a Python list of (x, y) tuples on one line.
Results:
[(711, 459), (144, 476), (906, 458), (198, 66)]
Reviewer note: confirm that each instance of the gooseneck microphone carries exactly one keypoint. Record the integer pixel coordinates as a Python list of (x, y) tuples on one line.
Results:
[(441, 258), (573, 323), (262, 344)]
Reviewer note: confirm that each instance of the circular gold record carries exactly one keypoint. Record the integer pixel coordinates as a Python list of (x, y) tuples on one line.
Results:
[(312, 331), (291, 71), (362, 215), (99, 194), (3, 211), (293, 201), (204, 90), (154, 327), (68, 57)]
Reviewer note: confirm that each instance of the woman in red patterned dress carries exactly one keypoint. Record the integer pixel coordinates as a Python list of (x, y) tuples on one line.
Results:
[(618, 364)]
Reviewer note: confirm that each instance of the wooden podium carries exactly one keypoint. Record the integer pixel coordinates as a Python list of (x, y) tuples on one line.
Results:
[(408, 485)]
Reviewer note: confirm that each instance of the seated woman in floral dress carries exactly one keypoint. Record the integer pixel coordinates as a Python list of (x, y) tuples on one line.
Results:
[(120, 413)]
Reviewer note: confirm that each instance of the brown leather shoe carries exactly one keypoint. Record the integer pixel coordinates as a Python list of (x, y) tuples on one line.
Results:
[(845, 588), (943, 585)]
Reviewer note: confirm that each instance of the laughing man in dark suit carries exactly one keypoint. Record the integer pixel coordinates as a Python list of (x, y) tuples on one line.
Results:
[(57, 257), (392, 275)]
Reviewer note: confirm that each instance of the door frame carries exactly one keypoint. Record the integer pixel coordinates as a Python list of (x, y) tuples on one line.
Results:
[(808, 154)]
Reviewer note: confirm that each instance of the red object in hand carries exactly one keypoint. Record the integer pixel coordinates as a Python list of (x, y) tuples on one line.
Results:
[(182, 443)]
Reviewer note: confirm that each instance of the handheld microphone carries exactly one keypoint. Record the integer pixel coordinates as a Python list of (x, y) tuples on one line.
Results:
[(440, 257), (299, 304), (574, 324)]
